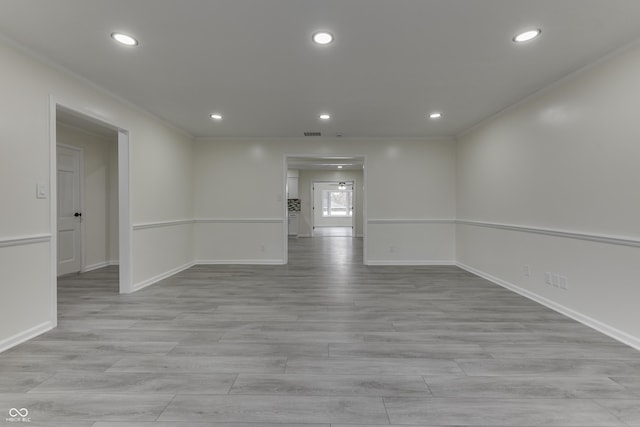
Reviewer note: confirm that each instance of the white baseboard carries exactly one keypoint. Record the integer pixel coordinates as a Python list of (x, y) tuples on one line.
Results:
[(411, 262), (309, 235), (608, 330), (239, 262), (167, 274), (25, 335), (98, 265)]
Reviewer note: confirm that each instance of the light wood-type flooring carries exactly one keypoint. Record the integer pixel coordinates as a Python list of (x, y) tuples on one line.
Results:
[(322, 341)]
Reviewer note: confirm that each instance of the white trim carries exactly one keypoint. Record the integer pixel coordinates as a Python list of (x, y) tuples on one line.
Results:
[(240, 262), (98, 265), (24, 240), (608, 330), (158, 224), (365, 213), (161, 276), (239, 220), (599, 238), (411, 262), (53, 213), (124, 196), (285, 207), (312, 207), (412, 221), (23, 336), (95, 266), (443, 138), (125, 239)]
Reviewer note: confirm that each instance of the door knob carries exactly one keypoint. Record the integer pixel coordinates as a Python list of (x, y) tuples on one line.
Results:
[(77, 214)]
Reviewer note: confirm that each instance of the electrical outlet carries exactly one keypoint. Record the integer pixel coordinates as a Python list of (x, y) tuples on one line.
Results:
[(563, 282), (392, 249), (526, 271), (263, 248), (556, 280)]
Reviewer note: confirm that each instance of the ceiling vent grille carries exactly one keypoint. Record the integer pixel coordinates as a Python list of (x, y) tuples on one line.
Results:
[(312, 134)]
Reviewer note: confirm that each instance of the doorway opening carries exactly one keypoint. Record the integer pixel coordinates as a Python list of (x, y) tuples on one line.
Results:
[(90, 218), (333, 209), (325, 197)]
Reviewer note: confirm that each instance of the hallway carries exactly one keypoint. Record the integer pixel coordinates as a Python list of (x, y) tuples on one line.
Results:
[(323, 340)]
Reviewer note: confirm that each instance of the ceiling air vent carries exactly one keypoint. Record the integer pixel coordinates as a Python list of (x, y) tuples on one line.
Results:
[(312, 134)]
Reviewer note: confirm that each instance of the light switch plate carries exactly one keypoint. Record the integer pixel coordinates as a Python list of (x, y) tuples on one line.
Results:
[(41, 190)]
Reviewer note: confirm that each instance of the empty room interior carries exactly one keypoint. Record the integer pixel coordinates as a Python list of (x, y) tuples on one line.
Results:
[(321, 213)]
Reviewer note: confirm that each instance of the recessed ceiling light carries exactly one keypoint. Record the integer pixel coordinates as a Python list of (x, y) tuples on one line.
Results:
[(527, 35), (124, 39), (325, 116), (216, 116), (435, 115), (322, 37)]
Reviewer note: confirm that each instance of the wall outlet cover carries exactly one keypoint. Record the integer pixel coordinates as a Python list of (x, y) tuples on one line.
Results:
[(41, 190)]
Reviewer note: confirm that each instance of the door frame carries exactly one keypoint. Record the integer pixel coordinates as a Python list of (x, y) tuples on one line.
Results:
[(81, 202), (313, 203), (124, 196), (285, 213)]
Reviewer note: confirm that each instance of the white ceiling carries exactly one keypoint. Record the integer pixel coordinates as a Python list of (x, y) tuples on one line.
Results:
[(393, 61)]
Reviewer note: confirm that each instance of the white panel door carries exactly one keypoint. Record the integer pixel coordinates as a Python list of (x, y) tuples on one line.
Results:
[(69, 215)]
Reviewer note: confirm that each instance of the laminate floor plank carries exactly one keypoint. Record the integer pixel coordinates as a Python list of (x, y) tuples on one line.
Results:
[(527, 387), (626, 410), (547, 367), (276, 409), (630, 383), (197, 348), (499, 412), (21, 382), (204, 424), (139, 383), (432, 350), (199, 364), (330, 385), (371, 366)]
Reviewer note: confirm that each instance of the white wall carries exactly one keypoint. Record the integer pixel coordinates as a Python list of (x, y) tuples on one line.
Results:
[(161, 189), (563, 161), (162, 196), (100, 239), (307, 177), (239, 197)]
